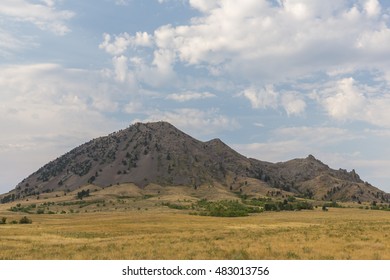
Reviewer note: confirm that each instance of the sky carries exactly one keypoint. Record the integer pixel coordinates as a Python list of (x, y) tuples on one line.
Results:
[(273, 79)]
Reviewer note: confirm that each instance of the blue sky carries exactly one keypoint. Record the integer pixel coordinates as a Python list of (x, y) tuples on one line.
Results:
[(274, 79)]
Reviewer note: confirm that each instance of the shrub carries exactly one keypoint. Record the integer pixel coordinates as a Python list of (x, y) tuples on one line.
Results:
[(333, 204), (225, 208), (3, 220), (82, 194), (25, 220)]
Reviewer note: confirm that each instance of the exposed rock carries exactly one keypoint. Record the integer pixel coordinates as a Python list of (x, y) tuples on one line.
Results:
[(159, 153)]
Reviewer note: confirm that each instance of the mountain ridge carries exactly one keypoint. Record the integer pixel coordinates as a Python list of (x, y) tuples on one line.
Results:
[(159, 153)]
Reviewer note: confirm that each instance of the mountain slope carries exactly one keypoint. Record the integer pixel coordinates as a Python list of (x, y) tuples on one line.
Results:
[(314, 179), (141, 154), (161, 154)]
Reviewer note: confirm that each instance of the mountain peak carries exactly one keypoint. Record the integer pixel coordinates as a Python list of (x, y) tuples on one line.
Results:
[(159, 153), (310, 157)]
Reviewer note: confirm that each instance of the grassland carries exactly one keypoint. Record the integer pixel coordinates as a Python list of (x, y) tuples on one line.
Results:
[(163, 233)]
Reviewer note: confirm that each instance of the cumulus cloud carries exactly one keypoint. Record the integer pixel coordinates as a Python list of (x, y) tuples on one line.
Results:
[(120, 43), (266, 97), (345, 101), (261, 46), (348, 100), (266, 42), (372, 8), (292, 102), (267, 37)]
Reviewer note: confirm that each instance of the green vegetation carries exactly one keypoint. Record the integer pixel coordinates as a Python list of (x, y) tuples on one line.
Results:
[(25, 208), (81, 204), (289, 204), (25, 220), (332, 204), (175, 206), (236, 208), (225, 208), (82, 194)]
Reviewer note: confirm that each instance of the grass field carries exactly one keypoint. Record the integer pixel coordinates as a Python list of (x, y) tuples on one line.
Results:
[(162, 233)]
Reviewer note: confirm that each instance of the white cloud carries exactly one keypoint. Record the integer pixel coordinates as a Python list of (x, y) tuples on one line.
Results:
[(118, 46), (204, 5), (45, 16), (187, 96), (346, 102), (45, 110), (293, 104), (372, 7), (121, 68), (195, 121), (120, 43), (47, 99), (266, 43), (122, 2), (349, 100), (260, 45), (9, 43), (266, 97), (133, 107)]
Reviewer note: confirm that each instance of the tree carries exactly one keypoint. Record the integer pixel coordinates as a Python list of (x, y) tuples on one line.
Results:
[(82, 194)]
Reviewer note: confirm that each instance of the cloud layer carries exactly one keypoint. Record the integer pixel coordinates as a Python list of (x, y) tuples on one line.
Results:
[(267, 48), (280, 78)]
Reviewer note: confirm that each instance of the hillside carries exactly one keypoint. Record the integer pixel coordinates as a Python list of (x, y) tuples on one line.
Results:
[(158, 153)]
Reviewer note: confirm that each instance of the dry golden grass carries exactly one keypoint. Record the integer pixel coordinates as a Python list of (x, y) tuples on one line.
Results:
[(161, 233)]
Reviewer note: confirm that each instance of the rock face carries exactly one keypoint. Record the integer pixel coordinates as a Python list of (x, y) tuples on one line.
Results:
[(159, 153)]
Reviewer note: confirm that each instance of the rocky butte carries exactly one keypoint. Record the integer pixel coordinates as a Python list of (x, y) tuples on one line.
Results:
[(159, 153)]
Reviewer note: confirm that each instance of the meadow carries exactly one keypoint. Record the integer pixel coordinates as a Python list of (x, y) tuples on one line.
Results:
[(164, 233)]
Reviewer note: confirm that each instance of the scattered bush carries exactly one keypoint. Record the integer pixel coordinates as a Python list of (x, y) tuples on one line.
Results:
[(24, 209), (176, 206), (289, 204), (25, 220), (225, 208), (333, 204), (82, 194)]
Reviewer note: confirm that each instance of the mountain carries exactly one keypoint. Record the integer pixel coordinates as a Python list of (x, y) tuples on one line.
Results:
[(159, 153)]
